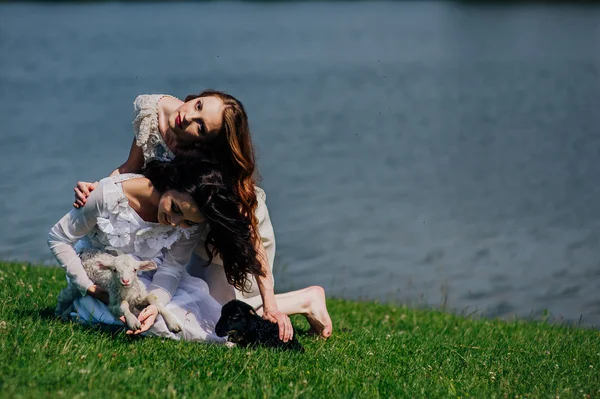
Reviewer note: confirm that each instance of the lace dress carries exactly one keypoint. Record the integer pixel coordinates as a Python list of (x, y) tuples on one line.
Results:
[(152, 143), (108, 220)]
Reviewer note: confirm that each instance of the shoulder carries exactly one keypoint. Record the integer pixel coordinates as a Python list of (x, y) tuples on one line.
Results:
[(261, 196), (146, 101), (149, 102), (105, 187), (262, 215), (145, 120), (104, 183), (108, 195)]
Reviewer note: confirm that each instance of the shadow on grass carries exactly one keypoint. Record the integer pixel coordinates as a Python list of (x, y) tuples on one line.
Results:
[(47, 314)]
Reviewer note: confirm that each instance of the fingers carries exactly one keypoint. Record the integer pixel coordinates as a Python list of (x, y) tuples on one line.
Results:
[(147, 312), (144, 314), (146, 324), (286, 331), (147, 317), (80, 197), (83, 187), (82, 192), (281, 325), (290, 330)]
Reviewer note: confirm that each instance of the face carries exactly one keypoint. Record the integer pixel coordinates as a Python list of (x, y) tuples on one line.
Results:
[(178, 210), (234, 318), (197, 120)]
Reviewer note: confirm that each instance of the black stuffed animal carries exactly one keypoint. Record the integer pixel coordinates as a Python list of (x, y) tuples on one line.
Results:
[(244, 327)]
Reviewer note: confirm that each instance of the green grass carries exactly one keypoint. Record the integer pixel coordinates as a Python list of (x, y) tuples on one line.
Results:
[(376, 351)]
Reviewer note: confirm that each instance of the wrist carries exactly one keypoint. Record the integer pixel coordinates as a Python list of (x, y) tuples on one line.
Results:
[(270, 308), (88, 289)]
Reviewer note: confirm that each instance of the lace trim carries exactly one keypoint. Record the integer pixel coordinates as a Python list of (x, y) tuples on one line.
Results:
[(145, 127), (122, 222)]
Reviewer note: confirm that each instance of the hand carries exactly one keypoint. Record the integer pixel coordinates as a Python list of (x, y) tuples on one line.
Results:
[(286, 331), (99, 293), (147, 317), (82, 192)]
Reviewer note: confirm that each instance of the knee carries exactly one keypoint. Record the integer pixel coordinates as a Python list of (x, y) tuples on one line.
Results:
[(316, 290)]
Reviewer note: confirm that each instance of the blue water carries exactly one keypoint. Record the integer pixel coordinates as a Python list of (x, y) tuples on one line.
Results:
[(423, 153)]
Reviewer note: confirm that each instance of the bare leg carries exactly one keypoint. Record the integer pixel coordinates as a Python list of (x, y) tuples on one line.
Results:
[(309, 302)]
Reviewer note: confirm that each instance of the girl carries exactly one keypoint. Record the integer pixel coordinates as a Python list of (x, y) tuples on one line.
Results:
[(159, 216), (217, 122)]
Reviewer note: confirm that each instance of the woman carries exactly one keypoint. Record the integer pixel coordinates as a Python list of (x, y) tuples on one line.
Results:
[(158, 216), (165, 126)]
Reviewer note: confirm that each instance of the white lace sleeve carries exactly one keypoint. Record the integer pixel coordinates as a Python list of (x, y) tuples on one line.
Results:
[(69, 230), (145, 127), (166, 279), (144, 114)]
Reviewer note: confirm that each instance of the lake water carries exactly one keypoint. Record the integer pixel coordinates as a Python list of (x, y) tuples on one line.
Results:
[(422, 153)]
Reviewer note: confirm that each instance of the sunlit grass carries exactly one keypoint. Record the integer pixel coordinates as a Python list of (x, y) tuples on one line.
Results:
[(376, 351)]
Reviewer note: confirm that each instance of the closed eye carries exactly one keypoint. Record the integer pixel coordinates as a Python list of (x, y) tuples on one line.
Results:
[(201, 127)]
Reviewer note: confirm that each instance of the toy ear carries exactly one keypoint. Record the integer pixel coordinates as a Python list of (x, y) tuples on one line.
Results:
[(147, 265), (103, 266)]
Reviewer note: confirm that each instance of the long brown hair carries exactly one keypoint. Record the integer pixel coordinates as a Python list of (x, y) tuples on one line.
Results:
[(233, 147), (230, 233)]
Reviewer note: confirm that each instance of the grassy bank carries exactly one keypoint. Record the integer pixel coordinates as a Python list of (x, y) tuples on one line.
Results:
[(376, 351)]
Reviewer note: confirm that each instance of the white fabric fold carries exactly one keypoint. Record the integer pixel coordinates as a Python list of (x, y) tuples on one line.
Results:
[(107, 220), (150, 140)]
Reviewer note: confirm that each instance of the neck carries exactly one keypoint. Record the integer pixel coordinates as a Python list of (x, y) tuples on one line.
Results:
[(166, 106), (143, 198)]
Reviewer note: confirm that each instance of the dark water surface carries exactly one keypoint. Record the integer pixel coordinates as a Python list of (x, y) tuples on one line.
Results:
[(417, 152)]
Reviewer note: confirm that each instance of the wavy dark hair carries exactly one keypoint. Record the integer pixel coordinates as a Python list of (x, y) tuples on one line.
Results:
[(234, 149), (213, 190)]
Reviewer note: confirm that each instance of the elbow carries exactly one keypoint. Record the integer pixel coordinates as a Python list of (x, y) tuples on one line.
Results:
[(51, 239), (125, 168)]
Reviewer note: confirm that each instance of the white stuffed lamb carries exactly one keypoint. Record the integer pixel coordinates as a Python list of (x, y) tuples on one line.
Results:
[(118, 275)]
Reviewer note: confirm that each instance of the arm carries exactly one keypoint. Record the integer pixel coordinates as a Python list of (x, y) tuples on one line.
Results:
[(270, 310), (65, 234), (143, 108), (265, 284), (166, 279), (134, 163), (265, 248)]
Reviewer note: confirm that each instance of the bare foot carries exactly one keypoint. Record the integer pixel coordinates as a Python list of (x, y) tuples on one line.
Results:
[(317, 315)]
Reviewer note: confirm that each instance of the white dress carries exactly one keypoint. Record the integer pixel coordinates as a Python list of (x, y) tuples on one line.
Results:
[(108, 220), (150, 140)]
